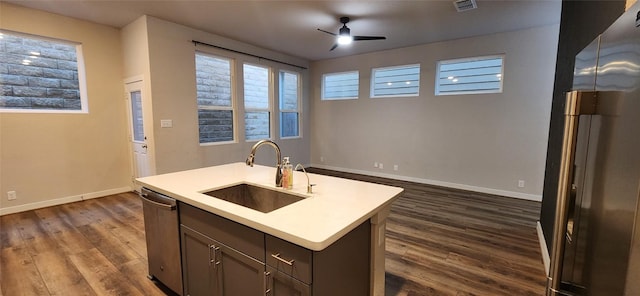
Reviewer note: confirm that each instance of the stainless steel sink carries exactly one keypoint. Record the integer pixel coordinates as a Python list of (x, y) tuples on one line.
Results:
[(254, 197)]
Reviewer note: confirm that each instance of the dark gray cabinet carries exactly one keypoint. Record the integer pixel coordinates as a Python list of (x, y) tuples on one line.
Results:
[(239, 274), (198, 263), (282, 284), (211, 268), (224, 258), (220, 257), (341, 269), (289, 266)]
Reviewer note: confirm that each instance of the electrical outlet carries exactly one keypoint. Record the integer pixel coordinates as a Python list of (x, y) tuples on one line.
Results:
[(166, 123), (395, 167), (11, 195), (520, 183), (380, 166), (375, 164), (321, 158)]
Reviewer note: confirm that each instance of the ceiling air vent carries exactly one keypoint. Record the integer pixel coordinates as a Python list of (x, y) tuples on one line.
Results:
[(464, 5)]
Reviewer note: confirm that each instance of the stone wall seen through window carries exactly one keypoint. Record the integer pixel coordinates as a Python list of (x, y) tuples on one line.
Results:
[(38, 74)]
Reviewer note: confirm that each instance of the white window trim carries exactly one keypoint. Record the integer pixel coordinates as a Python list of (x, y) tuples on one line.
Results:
[(371, 89), (238, 94), (299, 110), (82, 78), (437, 76), (322, 97), (270, 102), (234, 101)]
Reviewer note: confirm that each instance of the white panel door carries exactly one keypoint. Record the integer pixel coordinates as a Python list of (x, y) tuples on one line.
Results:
[(138, 140)]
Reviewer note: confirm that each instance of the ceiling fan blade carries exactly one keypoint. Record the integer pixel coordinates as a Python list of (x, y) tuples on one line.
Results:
[(334, 34), (358, 38), (333, 47)]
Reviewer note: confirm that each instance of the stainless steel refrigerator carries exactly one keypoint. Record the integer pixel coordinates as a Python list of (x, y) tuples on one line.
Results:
[(596, 243)]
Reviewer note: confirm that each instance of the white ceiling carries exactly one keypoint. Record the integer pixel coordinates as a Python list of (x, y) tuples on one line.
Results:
[(290, 26)]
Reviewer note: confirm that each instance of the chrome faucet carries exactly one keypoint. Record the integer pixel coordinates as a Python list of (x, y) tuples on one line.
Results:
[(252, 156), (309, 185)]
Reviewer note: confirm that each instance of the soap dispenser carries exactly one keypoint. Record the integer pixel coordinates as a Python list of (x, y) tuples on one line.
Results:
[(287, 173)]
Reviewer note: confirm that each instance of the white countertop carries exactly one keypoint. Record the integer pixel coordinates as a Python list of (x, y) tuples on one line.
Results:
[(335, 207)]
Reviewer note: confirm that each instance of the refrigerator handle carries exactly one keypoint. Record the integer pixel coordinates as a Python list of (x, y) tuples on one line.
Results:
[(577, 103)]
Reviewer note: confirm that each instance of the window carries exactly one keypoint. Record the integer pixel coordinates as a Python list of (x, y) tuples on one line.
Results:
[(470, 76), (257, 102), (340, 86), (395, 81), (41, 75), (137, 116), (215, 98), (289, 104)]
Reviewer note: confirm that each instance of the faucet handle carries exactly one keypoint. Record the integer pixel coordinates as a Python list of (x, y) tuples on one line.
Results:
[(249, 160), (310, 188)]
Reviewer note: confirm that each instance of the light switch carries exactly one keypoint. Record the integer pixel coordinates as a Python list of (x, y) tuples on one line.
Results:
[(166, 123)]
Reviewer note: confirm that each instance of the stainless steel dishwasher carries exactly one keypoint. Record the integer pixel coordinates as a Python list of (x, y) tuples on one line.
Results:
[(163, 238)]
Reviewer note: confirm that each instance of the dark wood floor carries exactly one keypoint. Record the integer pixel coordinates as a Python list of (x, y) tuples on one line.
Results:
[(439, 242), (443, 241)]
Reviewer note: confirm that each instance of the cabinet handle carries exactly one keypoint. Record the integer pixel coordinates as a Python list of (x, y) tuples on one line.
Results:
[(217, 256), (267, 283), (287, 262), (212, 259)]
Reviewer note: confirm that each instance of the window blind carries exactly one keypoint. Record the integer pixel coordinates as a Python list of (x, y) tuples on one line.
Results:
[(470, 76)]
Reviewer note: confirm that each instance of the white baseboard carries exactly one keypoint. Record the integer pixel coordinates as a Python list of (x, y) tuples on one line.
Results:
[(63, 200), (546, 260), (500, 192)]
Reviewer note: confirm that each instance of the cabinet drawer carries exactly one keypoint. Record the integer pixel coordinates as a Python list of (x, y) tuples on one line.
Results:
[(235, 235), (289, 259), (281, 284)]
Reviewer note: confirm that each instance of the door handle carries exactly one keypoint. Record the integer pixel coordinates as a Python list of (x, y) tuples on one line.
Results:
[(268, 283), (144, 146), (214, 256), (577, 103)]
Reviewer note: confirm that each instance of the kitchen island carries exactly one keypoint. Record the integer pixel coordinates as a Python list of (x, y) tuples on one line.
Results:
[(335, 208)]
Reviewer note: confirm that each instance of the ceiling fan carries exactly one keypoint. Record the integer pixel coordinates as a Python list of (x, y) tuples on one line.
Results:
[(344, 35)]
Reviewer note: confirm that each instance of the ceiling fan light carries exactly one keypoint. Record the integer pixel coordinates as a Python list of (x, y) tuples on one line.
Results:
[(344, 39)]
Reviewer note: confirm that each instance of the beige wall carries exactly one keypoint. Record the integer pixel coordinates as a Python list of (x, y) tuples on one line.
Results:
[(173, 92), (54, 158), (481, 142), (135, 53)]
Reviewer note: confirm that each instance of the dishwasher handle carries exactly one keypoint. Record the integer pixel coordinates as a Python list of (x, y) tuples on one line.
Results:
[(158, 200)]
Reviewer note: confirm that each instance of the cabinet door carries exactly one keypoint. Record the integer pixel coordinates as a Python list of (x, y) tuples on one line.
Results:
[(281, 284), (239, 274), (198, 265)]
